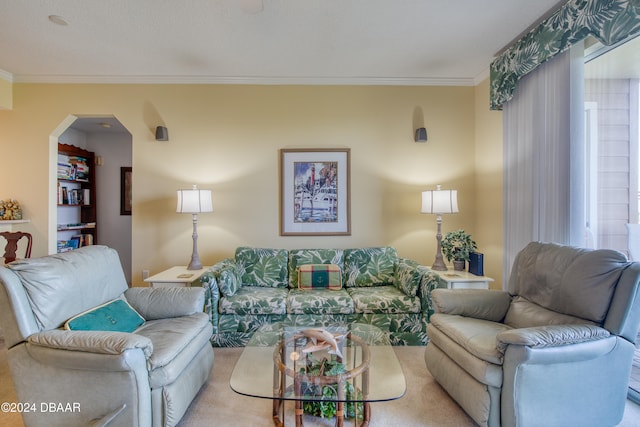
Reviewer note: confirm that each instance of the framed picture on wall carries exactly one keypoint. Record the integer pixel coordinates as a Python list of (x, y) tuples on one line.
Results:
[(314, 192), (125, 190)]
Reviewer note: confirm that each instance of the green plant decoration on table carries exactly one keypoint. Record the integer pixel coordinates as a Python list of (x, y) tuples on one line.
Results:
[(456, 247), (327, 409)]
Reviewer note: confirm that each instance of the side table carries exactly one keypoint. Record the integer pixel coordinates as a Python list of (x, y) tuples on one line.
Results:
[(463, 280), (176, 276)]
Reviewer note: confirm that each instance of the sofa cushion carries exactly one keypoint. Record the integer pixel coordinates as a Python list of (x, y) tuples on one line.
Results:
[(574, 281), (262, 266), (407, 277), (383, 299), (369, 266), (298, 257), (116, 316), (319, 276), (255, 300), (319, 301)]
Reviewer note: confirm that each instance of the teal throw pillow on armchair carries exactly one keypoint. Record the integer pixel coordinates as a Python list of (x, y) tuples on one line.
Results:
[(114, 316)]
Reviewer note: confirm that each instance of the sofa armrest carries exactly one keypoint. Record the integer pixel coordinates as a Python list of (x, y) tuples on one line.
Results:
[(162, 303), (211, 297), (428, 282), (477, 303), (550, 336), (100, 342)]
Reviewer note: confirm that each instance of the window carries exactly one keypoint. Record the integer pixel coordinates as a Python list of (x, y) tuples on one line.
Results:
[(612, 160)]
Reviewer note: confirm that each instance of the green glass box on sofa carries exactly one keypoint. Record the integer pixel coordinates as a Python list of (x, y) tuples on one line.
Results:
[(260, 286)]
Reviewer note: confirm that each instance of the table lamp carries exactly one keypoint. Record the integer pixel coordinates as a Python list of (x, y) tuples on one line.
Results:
[(439, 202), (194, 201)]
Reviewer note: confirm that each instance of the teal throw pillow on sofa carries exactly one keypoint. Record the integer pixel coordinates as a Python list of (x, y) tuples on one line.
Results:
[(115, 316)]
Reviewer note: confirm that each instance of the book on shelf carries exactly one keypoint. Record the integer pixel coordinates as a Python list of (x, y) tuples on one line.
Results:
[(76, 241), (75, 168), (83, 239), (73, 197), (76, 226), (63, 198)]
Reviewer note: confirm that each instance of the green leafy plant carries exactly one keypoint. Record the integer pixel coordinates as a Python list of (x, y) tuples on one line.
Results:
[(457, 245), (326, 408)]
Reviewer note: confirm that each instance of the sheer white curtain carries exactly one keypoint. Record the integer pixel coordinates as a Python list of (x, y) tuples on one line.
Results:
[(542, 166)]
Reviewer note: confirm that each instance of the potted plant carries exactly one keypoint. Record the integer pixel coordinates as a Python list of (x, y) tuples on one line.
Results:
[(456, 247)]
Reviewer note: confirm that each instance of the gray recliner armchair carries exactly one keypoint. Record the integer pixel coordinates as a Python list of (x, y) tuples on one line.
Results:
[(94, 377), (556, 349)]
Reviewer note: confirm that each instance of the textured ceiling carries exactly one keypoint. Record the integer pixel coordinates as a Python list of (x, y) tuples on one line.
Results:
[(259, 41)]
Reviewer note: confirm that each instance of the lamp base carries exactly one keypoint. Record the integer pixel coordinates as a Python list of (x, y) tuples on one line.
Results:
[(195, 263), (438, 264)]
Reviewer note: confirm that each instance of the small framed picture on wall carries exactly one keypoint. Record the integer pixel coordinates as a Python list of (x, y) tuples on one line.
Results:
[(126, 199)]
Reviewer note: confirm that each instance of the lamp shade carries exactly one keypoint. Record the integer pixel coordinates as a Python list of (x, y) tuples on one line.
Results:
[(194, 201), (439, 201)]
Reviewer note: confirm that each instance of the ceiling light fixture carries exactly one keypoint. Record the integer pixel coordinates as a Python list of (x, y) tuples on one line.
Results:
[(58, 20)]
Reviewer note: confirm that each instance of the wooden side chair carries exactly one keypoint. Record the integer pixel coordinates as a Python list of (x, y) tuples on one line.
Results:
[(12, 244)]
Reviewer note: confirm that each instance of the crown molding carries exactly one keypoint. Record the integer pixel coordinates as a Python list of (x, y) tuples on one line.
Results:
[(485, 74), (5, 75), (257, 80)]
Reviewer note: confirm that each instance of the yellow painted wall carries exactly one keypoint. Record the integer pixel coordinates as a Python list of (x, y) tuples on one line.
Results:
[(488, 168), (227, 137), (6, 94)]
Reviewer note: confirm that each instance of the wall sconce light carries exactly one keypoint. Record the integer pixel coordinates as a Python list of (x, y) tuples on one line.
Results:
[(194, 201), (162, 134), (421, 135), (439, 202)]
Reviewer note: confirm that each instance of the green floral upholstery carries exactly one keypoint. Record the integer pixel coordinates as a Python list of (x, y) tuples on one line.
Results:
[(369, 266), (319, 301), (298, 257), (383, 299), (391, 293), (403, 329), (226, 273), (255, 300), (262, 267), (407, 276)]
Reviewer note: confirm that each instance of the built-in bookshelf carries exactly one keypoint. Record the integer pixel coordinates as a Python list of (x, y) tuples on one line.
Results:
[(77, 225)]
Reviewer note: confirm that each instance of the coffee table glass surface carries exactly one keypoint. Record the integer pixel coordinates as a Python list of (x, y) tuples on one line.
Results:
[(304, 363)]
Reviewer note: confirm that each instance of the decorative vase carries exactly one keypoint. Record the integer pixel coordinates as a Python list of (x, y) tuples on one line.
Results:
[(458, 265)]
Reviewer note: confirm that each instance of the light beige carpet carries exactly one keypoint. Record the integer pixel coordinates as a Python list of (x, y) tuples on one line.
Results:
[(424, 404)]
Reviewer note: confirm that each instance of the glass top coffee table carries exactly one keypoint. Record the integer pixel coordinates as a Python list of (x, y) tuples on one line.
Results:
[(331, 370)]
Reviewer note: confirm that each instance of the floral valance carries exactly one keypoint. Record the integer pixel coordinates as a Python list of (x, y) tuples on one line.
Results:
[(609, 21)]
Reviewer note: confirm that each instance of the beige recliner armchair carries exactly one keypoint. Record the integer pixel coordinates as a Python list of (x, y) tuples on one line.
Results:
[(555, 350), (94, 377)]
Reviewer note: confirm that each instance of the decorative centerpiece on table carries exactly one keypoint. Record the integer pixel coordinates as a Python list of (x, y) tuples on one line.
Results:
[(10, 210), (456, 247), (320, 340)]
